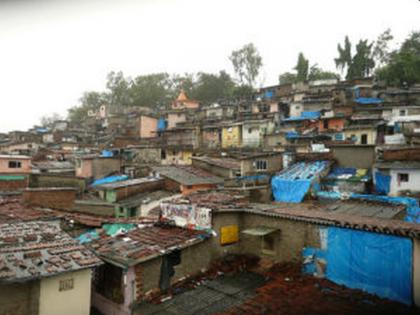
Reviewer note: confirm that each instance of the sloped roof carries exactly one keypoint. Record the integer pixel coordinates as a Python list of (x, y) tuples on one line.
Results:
[(37, 249), (187, 175)]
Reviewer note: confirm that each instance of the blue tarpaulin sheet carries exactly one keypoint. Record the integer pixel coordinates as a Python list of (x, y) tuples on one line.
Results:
[(292, 135), (368, 100), (107, 153), (382, 183), (161, 124), (269, 95), (304, 116), (376, 263), (109, 179), (285, 190)]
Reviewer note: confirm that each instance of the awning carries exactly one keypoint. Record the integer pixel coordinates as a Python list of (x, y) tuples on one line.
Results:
[(259, 231)]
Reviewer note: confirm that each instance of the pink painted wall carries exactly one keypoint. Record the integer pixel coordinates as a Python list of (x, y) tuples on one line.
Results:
[(175, 118), (148, 127), (85, 169), (24, 169)]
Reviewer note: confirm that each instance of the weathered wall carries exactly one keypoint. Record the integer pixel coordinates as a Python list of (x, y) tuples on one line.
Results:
[(370, 133), (358, 156), (125, 192), (24, 169), (231, 137), (274, 164), (412, 184), (93, 207), (49, 180), (68, 302), (148, 127), (13, 182), (187, 190), (19, 298), (50, 198), (211, 138), (333, 124), (174, 118), (105, 166), (84, 168)]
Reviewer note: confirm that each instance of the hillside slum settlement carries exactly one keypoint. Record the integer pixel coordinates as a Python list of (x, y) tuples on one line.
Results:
[(303, 198)]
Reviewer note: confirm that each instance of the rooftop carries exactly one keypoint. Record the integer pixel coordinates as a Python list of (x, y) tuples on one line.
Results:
[(220, 162), (187, 175), (144, 243), (126, 183), (36, 249)]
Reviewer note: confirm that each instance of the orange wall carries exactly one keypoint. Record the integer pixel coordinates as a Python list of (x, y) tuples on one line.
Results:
[(148, 127), (25, 166), (333, 124), (194, 188)]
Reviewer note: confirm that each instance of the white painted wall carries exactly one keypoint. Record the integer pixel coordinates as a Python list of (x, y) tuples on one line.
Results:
[(412, 184)]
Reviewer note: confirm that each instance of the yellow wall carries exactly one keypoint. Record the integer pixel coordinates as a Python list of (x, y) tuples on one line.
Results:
[(371, 135), (231, 137), (75, 301), (179, 158)]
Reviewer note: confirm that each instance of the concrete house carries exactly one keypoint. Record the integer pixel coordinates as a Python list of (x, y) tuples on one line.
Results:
[(43, 270), (96, 166)]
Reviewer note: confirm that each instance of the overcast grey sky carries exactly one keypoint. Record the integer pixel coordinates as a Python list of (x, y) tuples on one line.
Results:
[(52, 51)]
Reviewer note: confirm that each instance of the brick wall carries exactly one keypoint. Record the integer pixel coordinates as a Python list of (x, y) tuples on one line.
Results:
[(171, 185), (128, 191), (55, 198), (10, 184)]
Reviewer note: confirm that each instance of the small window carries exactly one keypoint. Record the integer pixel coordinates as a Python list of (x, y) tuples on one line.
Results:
[(261, 165), (403, 177), (268, 244), (163, 155), (403, 112), (325, 122), (66, 284), (363, 139), (15, 164), (249, 130)]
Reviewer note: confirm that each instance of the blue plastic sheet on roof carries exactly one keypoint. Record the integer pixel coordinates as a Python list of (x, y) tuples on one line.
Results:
[(107, 153), (292, 135), (293, 183), (110, 179), (304, 116), (338, 171), (87, 237), (376, 263), (269, 95), (368, 100), (382, 183), (41, 130), (161, 124), (285, 190)]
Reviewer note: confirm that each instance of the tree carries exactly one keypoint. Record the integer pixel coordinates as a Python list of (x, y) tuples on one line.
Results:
[(381, 50), (362, 63), (247, 63), (48, 120), (287, 78), (302, 68), (316, 73), (344, 58), (211, 87), (89, 101), (119, 88), (403, 67), (358, 66), (150, 90)]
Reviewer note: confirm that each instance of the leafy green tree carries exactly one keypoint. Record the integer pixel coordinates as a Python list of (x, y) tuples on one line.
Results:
[(316, 73), (344, 59), (287, 78), (89, 101), (150, 90), (247, 63), (362, 62), (211, 87), (381, 49), (119, 89), (302, 68), (403, 67)]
